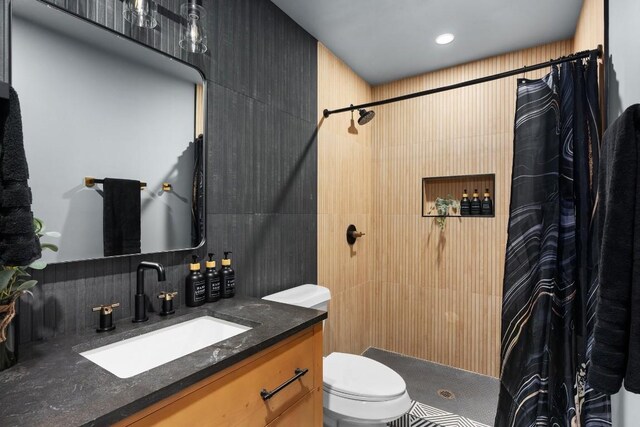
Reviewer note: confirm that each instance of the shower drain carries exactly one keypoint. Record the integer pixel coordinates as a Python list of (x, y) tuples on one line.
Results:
[(446, 394)]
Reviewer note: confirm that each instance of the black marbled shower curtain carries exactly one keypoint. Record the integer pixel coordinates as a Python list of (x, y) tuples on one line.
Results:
[(547, 285)]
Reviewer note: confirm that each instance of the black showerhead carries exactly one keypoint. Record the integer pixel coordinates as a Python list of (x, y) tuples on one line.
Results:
[(365, 116)]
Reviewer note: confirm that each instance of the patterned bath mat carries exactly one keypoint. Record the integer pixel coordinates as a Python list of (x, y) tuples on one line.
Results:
[(421, 415)]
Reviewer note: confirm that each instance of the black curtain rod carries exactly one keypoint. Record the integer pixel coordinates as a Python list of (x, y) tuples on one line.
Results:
[(579, 55)]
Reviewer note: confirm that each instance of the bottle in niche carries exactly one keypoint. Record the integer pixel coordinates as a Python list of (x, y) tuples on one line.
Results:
[(487, 204), (465, 204), (227, 277), (212, 280), (475, 203), (195, 287)]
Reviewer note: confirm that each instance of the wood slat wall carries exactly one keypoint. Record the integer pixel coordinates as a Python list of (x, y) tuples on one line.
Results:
[(590, 28), (408, 287), (344, 197), (438, 294)]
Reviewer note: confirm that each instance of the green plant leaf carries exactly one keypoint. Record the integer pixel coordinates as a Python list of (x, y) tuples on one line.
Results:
[(5, 278), (38, 225), (27, 285), (49, 246), (21, 272), (38, 265)]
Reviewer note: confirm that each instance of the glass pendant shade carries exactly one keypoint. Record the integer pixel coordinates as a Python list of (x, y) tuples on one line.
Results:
[(193, 32), (143, 13)]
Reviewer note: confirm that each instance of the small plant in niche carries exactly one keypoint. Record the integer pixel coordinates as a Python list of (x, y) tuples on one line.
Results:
[(442, 206)]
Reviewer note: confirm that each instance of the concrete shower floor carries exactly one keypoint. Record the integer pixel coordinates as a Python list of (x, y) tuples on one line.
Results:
[(476, 396)]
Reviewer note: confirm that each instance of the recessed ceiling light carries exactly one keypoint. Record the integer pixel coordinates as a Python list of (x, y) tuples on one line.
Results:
[(445, 38)]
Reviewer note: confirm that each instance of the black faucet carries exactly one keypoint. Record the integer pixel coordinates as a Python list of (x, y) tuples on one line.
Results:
[(140, 301)]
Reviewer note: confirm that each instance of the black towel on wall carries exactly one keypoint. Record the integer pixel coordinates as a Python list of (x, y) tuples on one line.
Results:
[(616, 350), (121, 217), (19, 245)]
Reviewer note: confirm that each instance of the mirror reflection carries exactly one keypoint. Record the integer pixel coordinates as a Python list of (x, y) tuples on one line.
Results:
[(111, 133)]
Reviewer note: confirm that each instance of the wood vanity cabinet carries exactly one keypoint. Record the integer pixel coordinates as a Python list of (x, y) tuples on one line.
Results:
[(232, 397)]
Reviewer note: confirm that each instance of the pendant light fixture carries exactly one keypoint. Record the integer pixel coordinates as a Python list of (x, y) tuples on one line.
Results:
[(142, 13), (193, 32)]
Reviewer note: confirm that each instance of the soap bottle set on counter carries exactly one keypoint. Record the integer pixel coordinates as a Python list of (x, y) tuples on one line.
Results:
[(212, 285), (475, 206)]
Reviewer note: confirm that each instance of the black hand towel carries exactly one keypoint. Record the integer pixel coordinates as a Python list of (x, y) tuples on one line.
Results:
[(616, 350), (18, 243), (121, 217)]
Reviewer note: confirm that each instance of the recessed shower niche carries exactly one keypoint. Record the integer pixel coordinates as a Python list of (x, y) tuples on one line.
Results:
[(444, 186), (98, 105)]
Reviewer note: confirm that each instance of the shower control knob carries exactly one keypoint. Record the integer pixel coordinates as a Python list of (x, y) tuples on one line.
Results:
[(353, 234)]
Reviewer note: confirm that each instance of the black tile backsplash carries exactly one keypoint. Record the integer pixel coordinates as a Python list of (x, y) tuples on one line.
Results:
[(261, 164)]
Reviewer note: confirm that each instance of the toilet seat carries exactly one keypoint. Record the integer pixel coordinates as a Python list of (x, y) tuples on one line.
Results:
[(358, 388), (360, 378)]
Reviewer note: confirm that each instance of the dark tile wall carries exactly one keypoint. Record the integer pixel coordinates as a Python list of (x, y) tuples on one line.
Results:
[(261, 164)]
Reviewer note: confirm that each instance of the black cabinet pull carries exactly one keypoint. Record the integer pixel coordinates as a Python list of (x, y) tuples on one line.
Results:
[(266, 395)]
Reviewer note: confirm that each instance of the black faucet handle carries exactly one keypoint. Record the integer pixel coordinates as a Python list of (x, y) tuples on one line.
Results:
[(106, 309), (167, 302), (168, 296), (106, 316)]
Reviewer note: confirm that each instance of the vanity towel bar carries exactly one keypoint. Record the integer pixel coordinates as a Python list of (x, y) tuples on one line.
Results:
[(90, 182)]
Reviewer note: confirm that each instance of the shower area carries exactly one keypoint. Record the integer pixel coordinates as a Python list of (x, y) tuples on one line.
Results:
[(408, 288)]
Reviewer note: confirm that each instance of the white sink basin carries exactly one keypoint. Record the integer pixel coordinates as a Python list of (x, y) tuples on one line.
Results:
[(135, 355)]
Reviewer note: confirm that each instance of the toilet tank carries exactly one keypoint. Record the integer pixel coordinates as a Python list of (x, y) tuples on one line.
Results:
[(309, 296)]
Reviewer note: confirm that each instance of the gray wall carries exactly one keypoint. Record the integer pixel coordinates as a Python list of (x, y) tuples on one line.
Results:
[(624, 90), (261, 165)]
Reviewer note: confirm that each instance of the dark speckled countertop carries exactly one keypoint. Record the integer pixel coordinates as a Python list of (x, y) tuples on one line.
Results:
[(53, 385)]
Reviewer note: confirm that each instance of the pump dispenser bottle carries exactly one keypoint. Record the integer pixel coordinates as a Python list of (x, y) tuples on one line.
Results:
[(212, 280), (227, 277), (465, 204), (475, 204), (195, 288), (487, 204)]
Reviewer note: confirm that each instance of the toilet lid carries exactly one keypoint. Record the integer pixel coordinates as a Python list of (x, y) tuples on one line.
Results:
[(359, 377)]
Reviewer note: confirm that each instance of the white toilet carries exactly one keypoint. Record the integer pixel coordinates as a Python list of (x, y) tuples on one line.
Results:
[(357, 391)]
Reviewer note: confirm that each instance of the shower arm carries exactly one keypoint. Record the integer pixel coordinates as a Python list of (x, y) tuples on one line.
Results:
[(579, 55)]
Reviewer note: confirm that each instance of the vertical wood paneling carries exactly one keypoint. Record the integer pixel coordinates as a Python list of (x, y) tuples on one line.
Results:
[(590, 34), (590, 28), (344, 197), (437, 294), (406, 286)]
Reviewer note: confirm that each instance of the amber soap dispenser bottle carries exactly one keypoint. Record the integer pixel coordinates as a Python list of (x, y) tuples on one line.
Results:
[(475, 204), (195, 287), (227, 277), (212, 280), (487, 204)]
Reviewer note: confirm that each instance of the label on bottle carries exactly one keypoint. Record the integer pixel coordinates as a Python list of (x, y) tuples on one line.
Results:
[(213, 289), (229, 286), (199, 291), (465, 207), (215, 286), (487, 209)]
